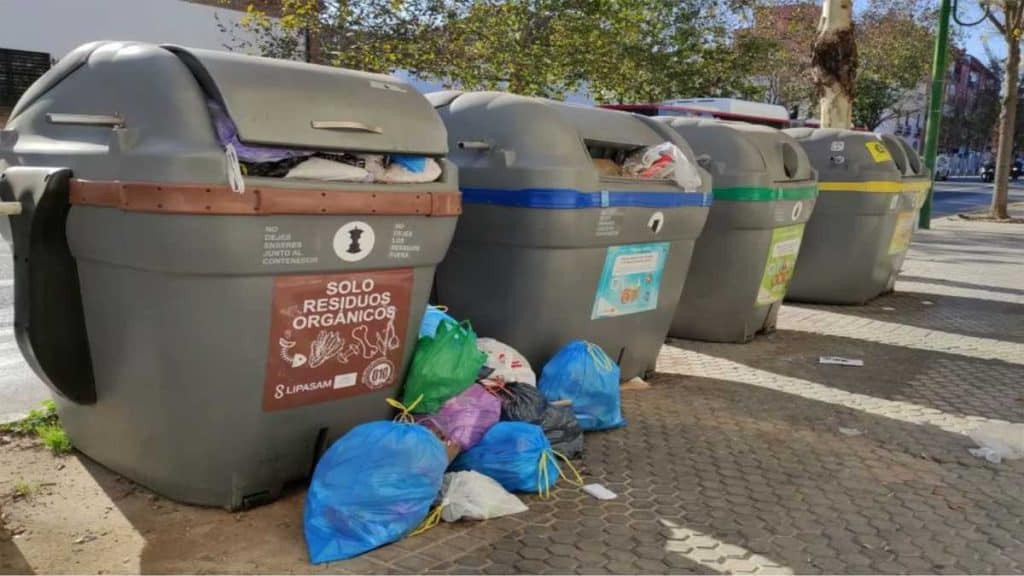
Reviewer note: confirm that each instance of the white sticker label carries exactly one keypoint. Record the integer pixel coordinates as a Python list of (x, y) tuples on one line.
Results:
[(838, 146), (798, 209), (656, 222), (353, 241)]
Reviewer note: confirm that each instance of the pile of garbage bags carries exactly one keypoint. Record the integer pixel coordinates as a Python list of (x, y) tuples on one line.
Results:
[(474, 426)]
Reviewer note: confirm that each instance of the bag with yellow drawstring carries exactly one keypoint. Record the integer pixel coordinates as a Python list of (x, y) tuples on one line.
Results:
[(519, 457), (584, 375), (373, 486)]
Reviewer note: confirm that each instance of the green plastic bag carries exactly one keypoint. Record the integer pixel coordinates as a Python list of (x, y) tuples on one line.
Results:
[(442, 367)]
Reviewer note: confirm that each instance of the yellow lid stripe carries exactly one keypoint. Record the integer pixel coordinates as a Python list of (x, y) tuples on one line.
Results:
[(876, 187), (917, 186)]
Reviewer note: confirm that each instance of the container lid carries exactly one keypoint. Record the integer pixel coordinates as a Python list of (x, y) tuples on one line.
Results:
[(756, 162), (850, 161), (295, 104)]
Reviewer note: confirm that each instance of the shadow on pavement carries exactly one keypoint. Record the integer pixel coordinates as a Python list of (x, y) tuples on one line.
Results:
[(952, 383), (961, 284), (11, 559), (952, 314)]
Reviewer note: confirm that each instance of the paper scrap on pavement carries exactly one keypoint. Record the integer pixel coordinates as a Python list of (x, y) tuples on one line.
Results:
[(600, 492), (840, 361), (849, 431), (998, 441)]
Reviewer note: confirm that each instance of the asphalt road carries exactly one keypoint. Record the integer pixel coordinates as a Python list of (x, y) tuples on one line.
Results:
[(21, 390)]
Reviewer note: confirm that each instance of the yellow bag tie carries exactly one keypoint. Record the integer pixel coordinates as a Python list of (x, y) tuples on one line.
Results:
[(543, 476), (405, 415), (432, 519)]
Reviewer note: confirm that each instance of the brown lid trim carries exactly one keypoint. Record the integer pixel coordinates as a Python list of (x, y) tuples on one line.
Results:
[(220, 199)]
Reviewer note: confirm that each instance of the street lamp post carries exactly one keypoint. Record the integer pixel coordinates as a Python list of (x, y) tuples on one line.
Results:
[(931, 143)]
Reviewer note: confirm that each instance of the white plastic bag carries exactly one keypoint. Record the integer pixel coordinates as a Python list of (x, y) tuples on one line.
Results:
[(507, 363), (473, 496), (328, 170), (664, 161)]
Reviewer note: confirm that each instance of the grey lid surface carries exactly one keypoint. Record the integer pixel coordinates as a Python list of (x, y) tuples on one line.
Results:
[(847, 155), (742, 154), (279, 102), (511, 141)]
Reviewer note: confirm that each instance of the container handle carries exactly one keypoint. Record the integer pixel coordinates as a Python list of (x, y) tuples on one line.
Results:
[(345, 125), (10, 208), (474, 145), (110, 120)]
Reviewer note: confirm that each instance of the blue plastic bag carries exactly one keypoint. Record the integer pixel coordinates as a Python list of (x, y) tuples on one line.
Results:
[(372, 487), (516, 454), (432, 318), (583, 373)]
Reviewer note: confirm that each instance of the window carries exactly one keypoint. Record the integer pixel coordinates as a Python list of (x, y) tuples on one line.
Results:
[(18, 70)]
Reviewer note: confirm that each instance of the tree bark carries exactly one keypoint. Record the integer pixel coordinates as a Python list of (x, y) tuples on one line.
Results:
[(835, 63), (1007, 125)]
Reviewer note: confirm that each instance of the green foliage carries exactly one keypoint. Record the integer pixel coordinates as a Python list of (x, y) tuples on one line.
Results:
[(616, 50), (43, 423)]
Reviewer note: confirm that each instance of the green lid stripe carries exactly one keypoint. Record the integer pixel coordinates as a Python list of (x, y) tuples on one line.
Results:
[(755, 194)]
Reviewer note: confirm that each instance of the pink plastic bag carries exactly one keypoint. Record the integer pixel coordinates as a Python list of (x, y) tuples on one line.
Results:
[(465, 418)]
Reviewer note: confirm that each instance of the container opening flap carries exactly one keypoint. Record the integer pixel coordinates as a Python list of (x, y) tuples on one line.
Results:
[(663, 162), (297, 105)]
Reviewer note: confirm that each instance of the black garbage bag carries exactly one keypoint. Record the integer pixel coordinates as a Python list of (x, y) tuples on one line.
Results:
[(522, 403), (563, 430)]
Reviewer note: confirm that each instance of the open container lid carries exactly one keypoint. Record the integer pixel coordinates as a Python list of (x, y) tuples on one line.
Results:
[(744, 155), (285, 103)]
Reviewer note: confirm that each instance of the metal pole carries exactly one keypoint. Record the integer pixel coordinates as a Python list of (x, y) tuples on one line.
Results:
[(931, 145)]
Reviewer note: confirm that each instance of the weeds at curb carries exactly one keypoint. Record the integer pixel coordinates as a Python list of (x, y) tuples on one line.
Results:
[(44, 424)]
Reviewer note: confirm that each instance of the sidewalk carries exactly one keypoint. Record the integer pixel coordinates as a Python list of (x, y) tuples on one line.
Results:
[(739, 459)]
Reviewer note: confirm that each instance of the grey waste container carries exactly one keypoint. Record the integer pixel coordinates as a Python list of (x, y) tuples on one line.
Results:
[(764, 193), (916, 185), (548, 249), (849, 253), (204, 339)]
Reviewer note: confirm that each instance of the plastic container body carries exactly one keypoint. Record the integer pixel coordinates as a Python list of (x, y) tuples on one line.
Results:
[(204, 340)]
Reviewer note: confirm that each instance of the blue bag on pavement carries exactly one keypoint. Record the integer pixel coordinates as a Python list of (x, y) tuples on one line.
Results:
[(583, 373), (432, 318), (372, 487), (517, 455)]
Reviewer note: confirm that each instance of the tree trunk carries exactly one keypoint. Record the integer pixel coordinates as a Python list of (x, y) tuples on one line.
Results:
[(835, 63), (1007, 125)]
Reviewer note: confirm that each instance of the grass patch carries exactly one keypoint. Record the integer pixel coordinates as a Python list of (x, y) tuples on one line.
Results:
[(43, 423), (24, 489)]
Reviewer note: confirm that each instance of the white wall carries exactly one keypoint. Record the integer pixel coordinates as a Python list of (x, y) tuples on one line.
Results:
[(57, 26)]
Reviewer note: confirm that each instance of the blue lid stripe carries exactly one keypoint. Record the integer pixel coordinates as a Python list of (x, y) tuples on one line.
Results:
[(567, 199)]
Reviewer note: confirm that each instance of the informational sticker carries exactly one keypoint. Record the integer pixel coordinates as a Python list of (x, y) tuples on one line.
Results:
[(631, 279), (335, 335), (878, 151), (837, 146), (903, 232), (781, 264)]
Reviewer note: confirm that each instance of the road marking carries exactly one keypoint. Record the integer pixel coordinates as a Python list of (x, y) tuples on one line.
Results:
[(719, 556)]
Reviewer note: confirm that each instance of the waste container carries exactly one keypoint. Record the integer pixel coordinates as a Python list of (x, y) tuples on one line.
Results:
[(555, 244), (764, 193), (916, 185), (211, 320), (849, 253)]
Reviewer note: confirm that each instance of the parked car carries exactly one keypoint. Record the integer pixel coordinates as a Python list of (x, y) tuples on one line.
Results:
[(942, 167)]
